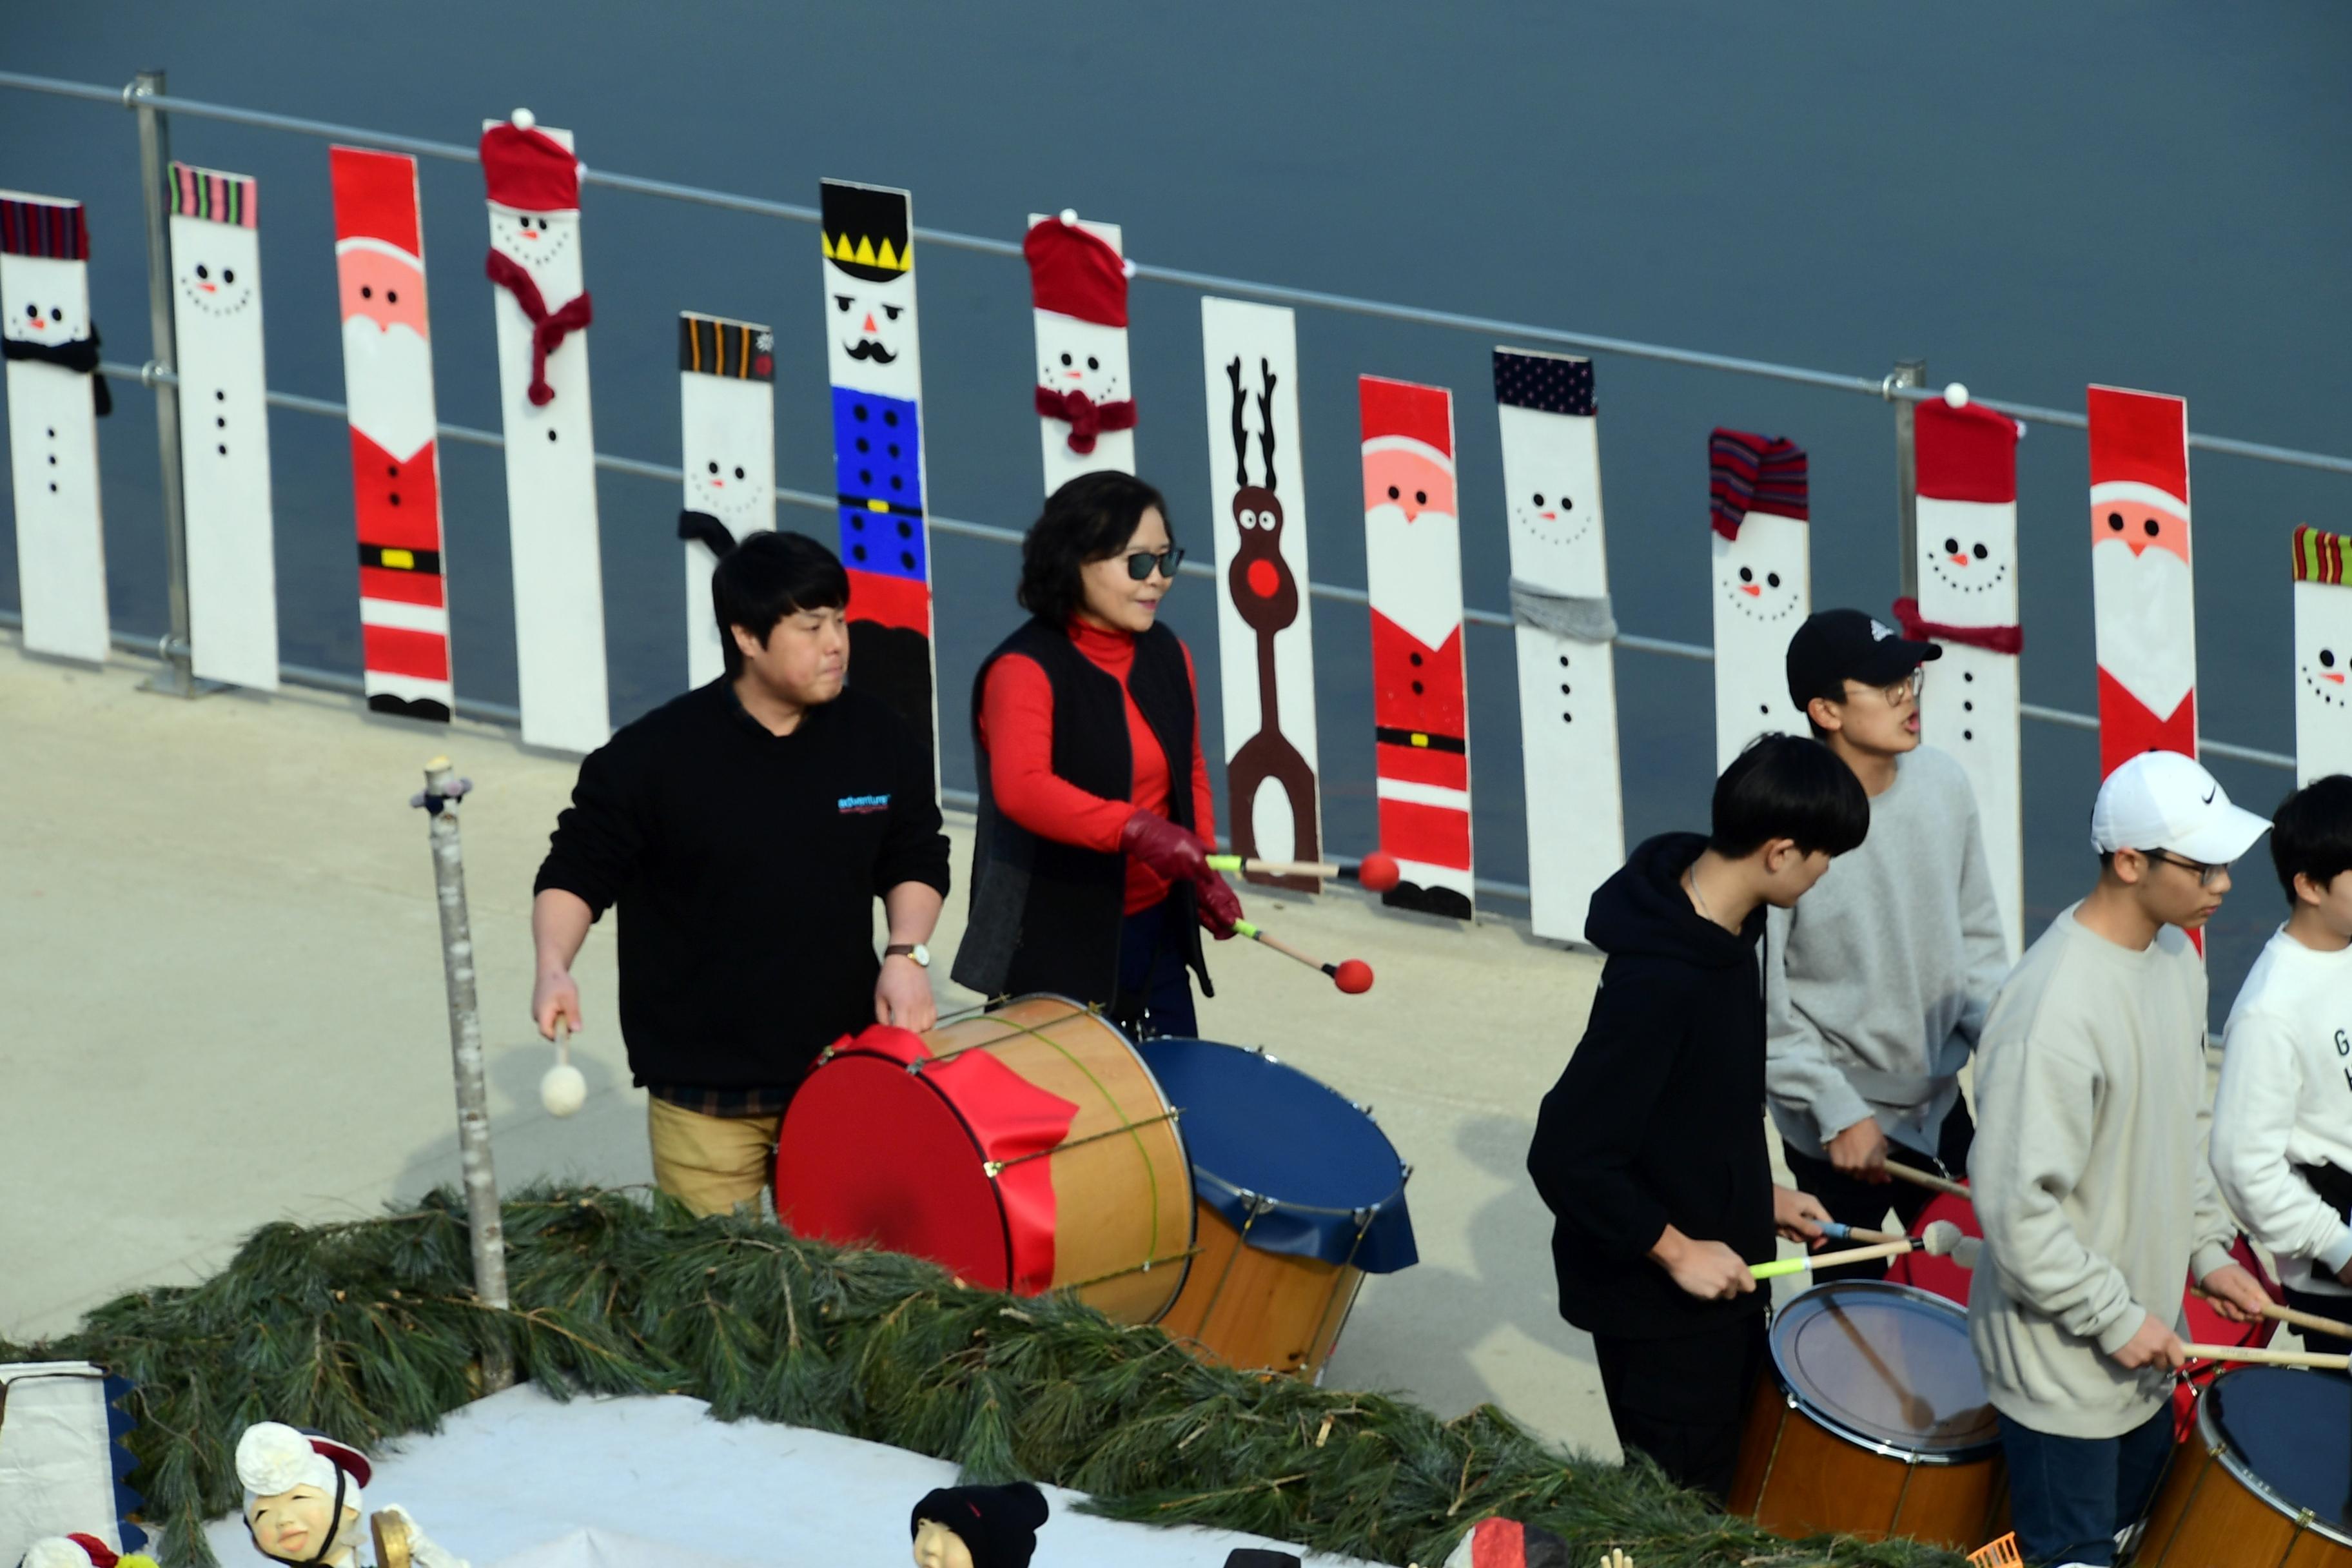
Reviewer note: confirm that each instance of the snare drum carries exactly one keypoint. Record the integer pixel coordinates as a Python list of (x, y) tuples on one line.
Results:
[(1874, 1422), (2263, 1484), (1028, 1149), (1299, 1196)]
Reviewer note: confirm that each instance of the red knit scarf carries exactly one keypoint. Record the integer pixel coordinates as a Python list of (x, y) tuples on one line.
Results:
[(1085, 417), (547, 331), (1998, 639)]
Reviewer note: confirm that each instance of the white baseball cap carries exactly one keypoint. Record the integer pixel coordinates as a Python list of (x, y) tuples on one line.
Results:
[(2162, 800)]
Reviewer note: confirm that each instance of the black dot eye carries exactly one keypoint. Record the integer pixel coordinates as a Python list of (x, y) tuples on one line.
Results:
[(56, 313), (391, 296), (1951, 547), (2150, 527), (2327, 659), (841, 301), (201, 271), (1093, 363), (228, 275), (1568, 503), (32, 312), (892, 313), (1772, 578), (1393, 492), (366, 292), (712, 466), (1980, 553), (739, 473), (1539, 498), (1746, 575), (2116, 520), (1421, 498), (1065, 359)]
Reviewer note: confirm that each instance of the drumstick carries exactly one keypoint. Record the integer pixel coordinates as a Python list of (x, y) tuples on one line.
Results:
[(1838, 1230), (2311, 1320), (1376, 872), (1922, 1179), (1917, 1410), (2319, 1360), (1352, 975), (1937, 1240)]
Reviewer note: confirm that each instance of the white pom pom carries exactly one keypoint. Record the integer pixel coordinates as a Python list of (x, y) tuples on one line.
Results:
[(55, 1551), (1069, 214), (1956, 395), (1126, 268), (563, 1090), (523, 119), (272, 1457)]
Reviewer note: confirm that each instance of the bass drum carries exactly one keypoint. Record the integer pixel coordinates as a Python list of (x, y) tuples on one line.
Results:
[(1028, 1149), (2265, 1482)]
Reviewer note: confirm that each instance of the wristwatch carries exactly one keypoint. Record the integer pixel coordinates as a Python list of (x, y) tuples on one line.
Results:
[(914, 950)]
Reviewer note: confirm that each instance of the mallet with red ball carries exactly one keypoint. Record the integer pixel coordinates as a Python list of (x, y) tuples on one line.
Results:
[(1351, 975), (1376, 872)]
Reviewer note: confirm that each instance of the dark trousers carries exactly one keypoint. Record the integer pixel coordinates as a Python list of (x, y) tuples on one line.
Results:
[(2339, 1308), (1682, 1399), (1852, 1201), (1155, 988), (2068, 1496)]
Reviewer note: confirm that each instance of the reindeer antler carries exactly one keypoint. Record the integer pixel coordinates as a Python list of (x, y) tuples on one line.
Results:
[(1265, 418), (1241, 426)]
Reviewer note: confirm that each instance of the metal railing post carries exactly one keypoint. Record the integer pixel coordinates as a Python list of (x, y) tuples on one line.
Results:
[(1907, 373), (176, 678)]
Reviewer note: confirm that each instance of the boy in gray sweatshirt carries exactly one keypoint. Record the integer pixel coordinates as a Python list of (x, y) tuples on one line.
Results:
[(1876, 985), (2089, 1171)]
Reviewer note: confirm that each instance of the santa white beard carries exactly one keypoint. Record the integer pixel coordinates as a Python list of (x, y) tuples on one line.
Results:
[(388, 377), (1416, 572), (2146, 626)]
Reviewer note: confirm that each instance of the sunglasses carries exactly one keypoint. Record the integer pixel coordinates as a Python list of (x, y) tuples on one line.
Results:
[(1140, 564)]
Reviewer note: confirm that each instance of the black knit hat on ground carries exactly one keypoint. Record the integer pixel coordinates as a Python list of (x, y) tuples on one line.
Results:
[(1259, 1557), (998, 1525)]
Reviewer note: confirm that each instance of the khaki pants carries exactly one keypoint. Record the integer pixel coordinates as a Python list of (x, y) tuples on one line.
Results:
[(710, 1163)]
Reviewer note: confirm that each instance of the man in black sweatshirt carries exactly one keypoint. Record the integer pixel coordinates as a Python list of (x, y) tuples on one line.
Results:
[(1650, 1150), (745, 830)]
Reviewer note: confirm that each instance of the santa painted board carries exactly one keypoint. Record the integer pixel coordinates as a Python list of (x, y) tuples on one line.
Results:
[(1265, 628), (727, 409), (1968, 567), (395, 457), (1562, 629), (55, 395), (873, 358), (2145, 624), (224, 425), (1761, 574), (543, 311), (2323, 657), (1412, 557), (1086, 387)]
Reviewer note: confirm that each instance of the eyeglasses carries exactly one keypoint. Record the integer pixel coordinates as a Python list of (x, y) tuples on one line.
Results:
[(1908, 687), (1139, 563), (2205, 873)]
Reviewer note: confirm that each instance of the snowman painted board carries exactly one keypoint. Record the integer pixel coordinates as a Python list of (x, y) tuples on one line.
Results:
[(2144, 593), (1761, 582), (550, 455), (1264, 628), (726, 409), (1967, 502), (1559, 599), (53, 425), (223, 426), (2323, 657), (1086, 386)]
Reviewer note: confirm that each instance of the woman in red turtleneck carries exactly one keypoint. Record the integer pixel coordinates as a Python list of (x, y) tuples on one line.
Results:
[(1089, 873)]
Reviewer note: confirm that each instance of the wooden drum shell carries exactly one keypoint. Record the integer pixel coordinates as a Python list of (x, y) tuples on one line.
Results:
[(1797, 1478), (1261, 1311), (2210, 1514)]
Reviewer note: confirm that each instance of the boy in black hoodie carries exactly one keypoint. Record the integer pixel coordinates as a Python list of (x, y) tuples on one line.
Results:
[(1650, 1150)]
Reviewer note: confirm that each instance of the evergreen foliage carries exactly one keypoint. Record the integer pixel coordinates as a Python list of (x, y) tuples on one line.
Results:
[(370, 1329)]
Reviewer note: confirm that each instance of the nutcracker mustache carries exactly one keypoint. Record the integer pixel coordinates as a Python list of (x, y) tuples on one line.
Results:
[(867, 348)]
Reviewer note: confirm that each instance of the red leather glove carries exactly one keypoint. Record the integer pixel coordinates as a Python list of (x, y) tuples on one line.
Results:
[(1219, 908), (1174, 852)]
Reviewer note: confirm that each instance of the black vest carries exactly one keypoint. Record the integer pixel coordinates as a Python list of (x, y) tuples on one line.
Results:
[(1047, 916)]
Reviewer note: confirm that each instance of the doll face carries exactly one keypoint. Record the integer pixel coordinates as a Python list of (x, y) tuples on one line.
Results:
[(937, 1546), (294, 1524)]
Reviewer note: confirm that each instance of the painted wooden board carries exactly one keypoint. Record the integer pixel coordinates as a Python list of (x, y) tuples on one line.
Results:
[(2323, 657), (1761, 570), (1560, 601), (551, 448), (726, 406), (1266, 643), (1413, 558), (395, 457), (53, 427), (874, 357), (1967, 573), (224, 425), (2144, 593), (1078, 289)]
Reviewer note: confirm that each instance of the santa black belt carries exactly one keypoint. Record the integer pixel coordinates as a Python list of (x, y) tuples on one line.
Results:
[(1419, 742)]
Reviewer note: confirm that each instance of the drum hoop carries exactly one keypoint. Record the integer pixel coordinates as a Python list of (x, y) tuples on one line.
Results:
[(1805, 1406), (979, 1155), (1261, 1203), (2209, 1428)]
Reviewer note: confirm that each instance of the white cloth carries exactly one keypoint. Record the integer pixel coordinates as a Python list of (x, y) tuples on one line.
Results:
[(2286, 1099)]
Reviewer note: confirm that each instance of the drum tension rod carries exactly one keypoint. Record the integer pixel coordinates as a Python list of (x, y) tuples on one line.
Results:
[(996, 1167)]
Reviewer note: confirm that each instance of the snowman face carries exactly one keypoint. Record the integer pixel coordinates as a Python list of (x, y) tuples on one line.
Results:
[(535, 239), (1761, 574), (732, 488), (213, 279), (1080, 356), (870, 340), (1969, 561), (44, 300), (2323, 646)]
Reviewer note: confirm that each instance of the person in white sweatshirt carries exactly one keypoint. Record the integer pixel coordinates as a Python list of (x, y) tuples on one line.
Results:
[(2089, 1172), (2283, 1120)]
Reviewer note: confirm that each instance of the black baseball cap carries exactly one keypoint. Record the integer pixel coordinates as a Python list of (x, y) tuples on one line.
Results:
[(1838, 645)]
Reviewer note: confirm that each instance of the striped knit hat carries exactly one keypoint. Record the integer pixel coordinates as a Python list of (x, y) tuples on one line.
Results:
[(209, 193), (2318, 557), (1745, 472), (42, 225)]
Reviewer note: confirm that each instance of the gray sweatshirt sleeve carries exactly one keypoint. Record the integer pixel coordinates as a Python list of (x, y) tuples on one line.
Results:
[(1797, 1069), (2035, 1098), (1985, 943)]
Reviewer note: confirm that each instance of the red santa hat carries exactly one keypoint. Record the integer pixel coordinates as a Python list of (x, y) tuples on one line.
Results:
[(527, 169), (1072, 272), (1402, 415), (2139, 447), (1965, 453), (375, 198)]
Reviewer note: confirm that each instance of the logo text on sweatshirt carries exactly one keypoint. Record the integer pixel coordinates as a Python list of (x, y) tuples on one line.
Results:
[(860, 804)]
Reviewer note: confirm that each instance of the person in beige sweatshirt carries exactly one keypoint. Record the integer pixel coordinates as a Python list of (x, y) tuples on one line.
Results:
[(2089, 1168)]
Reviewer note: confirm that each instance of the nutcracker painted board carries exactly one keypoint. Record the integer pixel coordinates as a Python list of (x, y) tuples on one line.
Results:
[(726, 406), (874, 355), (1086, 387), (224, 425), (1413, 558), (1563, 629), (1761, 570), (543, 310), (55, 396), (2323, 657), (1265, 642), (395, 456), (1968, 567), (2146, 623)]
